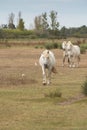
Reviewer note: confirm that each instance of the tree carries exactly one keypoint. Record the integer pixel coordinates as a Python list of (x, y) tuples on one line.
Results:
[(38, 22), (41, 25), (4, 26), (21, 24), (19, 16), (83, 29), (11, 21), (45, 24), (63, 32), (54, 24)]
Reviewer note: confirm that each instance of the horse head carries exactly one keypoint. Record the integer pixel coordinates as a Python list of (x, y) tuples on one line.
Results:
[(46, 58), (64, 45), (69, 46)]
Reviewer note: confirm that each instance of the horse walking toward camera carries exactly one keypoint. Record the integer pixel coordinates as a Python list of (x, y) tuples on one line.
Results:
[(73, 52), (65, 53), (47, 62)]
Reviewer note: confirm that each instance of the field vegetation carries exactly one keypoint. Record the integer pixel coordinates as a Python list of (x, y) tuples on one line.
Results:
[(43, 43), (25, 104)]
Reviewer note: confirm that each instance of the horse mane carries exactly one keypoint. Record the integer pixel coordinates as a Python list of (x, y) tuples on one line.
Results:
[(46, 53), (64, 44), (70, 43)]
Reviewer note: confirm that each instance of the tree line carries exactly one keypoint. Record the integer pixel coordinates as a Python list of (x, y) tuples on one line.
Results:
[(45, 26)]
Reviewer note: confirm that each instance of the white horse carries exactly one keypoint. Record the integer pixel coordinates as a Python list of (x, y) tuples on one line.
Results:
[(65, 53), (47, 61), (73, 52)]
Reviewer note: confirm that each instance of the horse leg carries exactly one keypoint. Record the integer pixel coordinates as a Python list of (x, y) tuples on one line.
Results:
[(64, 55), (78, 60), (73, 61), (49, 76), (44, 75), (63, 61), (70, 59)]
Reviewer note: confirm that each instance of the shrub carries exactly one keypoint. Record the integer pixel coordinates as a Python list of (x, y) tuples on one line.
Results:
[(36, 47), (83, 48), (53, 94), (84, 87), (55, 45), (49, 46)]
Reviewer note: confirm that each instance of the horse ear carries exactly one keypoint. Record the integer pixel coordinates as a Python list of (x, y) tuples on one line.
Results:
[(64, 44), (69, 42)]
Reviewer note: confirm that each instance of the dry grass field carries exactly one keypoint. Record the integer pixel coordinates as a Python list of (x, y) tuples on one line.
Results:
[(23, 105)]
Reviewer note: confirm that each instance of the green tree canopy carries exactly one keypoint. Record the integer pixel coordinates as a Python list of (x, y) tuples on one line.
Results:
[(21, 24)]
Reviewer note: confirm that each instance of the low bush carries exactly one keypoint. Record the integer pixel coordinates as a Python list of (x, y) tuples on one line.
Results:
[(53, 94), (83, 48), (55, 45), (52, 45), (84, 87), (49, 46)]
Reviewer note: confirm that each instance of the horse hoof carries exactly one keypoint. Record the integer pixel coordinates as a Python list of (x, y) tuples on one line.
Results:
[(70, 66), (73, 66), (44, 83)]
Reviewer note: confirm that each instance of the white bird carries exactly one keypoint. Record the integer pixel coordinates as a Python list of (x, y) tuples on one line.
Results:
[(35, 63), (23, 75)]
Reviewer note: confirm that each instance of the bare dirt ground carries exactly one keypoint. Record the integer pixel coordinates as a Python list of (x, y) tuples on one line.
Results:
[(23, 104), (17, 61), (20, 66)]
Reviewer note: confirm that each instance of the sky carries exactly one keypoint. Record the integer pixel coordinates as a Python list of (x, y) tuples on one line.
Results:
[(71, 13)]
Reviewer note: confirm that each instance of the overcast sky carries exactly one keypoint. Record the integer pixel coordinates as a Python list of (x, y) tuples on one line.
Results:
[(71, 13)]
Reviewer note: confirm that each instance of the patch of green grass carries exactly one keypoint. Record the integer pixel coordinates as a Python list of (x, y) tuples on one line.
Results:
[(21, 109), (83, 48), (53, 94), (84, 87), (53, 45)]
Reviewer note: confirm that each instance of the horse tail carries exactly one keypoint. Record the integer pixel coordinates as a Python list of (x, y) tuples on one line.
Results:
[(54, 70), (68, 60)]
